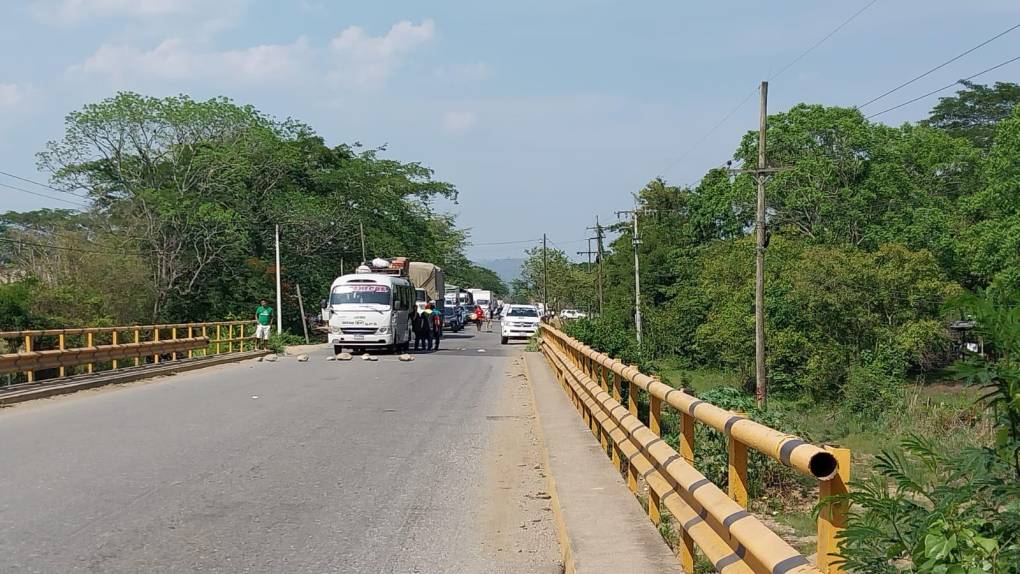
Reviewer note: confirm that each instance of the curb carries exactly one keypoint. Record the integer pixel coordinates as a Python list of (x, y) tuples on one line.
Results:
[(563, 534), (77, 383)]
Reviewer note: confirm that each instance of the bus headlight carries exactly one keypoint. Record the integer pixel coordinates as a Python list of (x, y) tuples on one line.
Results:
[(383, 330)]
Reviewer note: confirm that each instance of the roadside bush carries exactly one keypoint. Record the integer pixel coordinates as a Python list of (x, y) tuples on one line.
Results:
[(875, 383), (924, 344), (610, 338), (710, 446), (938, 510)]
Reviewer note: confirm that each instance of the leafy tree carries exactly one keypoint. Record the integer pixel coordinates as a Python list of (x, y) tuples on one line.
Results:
[(975, 111)]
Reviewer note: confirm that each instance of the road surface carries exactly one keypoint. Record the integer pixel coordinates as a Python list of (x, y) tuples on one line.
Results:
[(429, 466)]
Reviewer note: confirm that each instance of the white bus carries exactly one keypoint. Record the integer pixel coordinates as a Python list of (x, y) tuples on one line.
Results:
[(369, 310)]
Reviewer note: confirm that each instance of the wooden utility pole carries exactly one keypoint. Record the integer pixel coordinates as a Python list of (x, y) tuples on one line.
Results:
[(545, 277), (637, 279), (589, 253), (301, 307), (761, 376), (279, 300), (598, 260), (361, 228)]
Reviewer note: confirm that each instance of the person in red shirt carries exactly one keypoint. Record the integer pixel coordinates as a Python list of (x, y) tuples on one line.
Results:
[(479, 313)]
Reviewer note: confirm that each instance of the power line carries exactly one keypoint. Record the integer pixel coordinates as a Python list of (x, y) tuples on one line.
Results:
[(62, 248), (943, 88), (32, 181), (824, 38), (942, 65), (753, 91), (506, 242), (23, 190)]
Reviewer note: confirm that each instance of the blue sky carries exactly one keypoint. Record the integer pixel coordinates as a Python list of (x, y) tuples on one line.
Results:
[(543, 114)]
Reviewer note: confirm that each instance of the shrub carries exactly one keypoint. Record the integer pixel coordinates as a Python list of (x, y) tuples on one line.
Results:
[(875, 383)]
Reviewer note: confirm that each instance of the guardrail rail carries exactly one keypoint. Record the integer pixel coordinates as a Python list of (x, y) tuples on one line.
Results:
[(717, 521), (48, 354)]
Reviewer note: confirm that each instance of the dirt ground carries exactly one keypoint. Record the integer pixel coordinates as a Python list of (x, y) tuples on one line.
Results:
[(520, 533)]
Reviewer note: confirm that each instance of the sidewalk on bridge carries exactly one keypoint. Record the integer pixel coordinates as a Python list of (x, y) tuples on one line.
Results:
[(602, 525)]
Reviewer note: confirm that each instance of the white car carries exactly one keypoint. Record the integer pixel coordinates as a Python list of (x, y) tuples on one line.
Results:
[(572, 314), (519, 322)]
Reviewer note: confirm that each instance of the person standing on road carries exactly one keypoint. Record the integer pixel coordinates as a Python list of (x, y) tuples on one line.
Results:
[(479, 313), (417, 321), (263, 320), (428, 326), (437, 326)]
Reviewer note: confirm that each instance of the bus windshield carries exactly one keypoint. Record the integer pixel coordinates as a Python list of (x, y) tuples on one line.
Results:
[(360, 295)]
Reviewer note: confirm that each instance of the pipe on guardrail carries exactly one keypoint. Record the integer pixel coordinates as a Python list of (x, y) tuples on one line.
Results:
[(787, 449), (748, 537), (40, 360)]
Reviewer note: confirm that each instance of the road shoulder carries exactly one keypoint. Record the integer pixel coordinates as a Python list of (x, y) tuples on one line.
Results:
[(601, 525)]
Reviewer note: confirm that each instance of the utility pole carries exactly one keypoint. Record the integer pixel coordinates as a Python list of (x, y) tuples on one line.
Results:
[(279, 300), (761, 174), (598, 258), (589, 253), (361, 228), (545, 276), (301, 307), (637, 279), (636, 241), (761, 377)]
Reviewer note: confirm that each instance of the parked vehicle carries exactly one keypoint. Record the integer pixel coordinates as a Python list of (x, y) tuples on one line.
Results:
[(369, 310), (453, 318), (429, 280), (572, 314), (482, 298), (519, 322)]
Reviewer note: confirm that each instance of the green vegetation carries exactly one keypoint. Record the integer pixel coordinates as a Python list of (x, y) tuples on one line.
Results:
[(184, 196), (876, 232)]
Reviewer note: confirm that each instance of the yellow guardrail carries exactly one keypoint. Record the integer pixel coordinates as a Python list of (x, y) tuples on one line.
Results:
[(50, 353), (727, 534)]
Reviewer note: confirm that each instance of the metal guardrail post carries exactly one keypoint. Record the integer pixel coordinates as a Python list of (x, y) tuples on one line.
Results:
[(138, 339), (89, 367), (737, 471), (655, 424), (241, 337), (173, 336), (230, 338), (29, 375), (190, 335), (833, 515), (60, 346), (205, 352), (155, 337), (113, 341), (218, 337)]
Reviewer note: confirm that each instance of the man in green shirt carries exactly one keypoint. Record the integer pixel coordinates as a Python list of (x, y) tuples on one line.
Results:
[(263, 319)]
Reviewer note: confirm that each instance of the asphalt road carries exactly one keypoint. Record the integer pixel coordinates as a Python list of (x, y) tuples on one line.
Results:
[(428, 466)]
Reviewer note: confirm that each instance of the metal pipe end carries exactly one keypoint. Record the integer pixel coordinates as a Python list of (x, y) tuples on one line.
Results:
[(823, 465)]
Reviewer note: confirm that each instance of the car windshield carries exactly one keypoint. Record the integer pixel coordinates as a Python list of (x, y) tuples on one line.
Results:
[(360, 294), (523, 312)]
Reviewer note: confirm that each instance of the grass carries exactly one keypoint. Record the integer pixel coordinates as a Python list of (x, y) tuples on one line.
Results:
[(700, 380)]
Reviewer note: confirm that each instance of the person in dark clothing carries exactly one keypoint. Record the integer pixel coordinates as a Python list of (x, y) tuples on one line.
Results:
[(428, 326), (418, 326), (437, 326)]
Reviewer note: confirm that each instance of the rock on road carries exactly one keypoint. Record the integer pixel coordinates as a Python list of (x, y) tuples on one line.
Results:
[(319, 466)]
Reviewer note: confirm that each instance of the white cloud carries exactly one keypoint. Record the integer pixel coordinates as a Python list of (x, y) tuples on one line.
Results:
[(10, 94), (367, 61), (179, 59), (459, 121)]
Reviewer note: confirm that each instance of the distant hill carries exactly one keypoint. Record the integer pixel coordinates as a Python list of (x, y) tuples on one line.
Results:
[(508, 269)]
